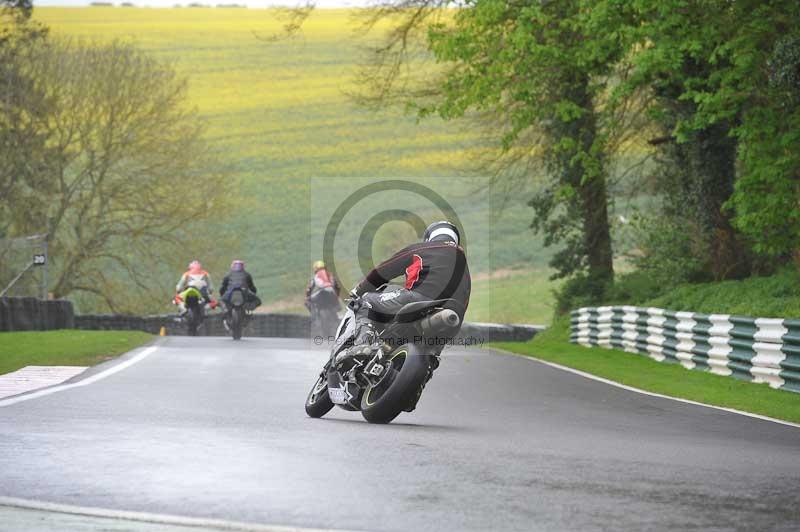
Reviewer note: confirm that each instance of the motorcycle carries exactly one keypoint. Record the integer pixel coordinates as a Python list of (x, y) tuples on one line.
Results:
[(238, 313), (324, 308), (194, 302), (385, 377)]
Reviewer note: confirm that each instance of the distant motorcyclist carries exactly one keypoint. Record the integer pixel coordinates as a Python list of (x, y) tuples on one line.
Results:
[(195, 277), (323, 288), (239, 277), (435, 268)]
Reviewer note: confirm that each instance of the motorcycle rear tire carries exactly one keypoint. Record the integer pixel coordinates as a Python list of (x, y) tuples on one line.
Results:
[(404, 389), (236, 323), (329, 321), (191, 321)]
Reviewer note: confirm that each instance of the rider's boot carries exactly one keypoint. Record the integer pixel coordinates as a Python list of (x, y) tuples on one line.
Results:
[(366, 343)]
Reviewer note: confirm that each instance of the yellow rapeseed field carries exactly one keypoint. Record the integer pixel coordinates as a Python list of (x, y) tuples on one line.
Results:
[(277, 107)]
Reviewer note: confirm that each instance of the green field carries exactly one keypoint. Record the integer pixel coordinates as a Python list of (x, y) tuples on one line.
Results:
[(65, 347), (285, 132)]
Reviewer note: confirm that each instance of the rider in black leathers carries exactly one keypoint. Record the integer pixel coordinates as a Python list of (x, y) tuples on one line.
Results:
[(238, 277), (435, 268)]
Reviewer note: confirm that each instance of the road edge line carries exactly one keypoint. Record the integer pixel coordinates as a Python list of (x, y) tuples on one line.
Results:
[(116, 368), (645, 392), (148, 517)]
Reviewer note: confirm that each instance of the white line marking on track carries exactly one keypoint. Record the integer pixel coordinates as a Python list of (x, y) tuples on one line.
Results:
[(645, 392), (85, 382), (147, 517)]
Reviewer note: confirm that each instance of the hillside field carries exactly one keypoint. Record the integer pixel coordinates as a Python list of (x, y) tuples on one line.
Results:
[(286, 134)]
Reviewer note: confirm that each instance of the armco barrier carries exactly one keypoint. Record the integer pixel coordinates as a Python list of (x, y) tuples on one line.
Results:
[(32, 314), (499, 332), (279, 325), (761, 350)]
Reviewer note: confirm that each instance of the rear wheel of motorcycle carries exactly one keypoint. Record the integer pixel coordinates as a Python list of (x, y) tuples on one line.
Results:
[(329, 322), (399, 388), (236, 323), (191, 320), (318, 402)]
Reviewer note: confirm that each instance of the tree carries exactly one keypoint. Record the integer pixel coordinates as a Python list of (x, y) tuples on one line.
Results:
[(21, 145), (126, 173), (535, 65), (766, 199), (706, 64)]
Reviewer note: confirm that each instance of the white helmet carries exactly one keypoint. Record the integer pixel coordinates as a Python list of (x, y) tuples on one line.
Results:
[(442, 230)]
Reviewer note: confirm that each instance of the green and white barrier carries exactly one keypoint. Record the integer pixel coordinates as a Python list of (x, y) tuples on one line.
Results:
[(762, 350)]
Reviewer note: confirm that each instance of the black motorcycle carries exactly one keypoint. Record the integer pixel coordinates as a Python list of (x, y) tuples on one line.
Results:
[(324, 307), (386, 376)]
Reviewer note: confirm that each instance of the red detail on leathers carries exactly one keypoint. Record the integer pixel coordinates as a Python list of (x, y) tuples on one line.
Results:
[(323, 279), (412, 272)]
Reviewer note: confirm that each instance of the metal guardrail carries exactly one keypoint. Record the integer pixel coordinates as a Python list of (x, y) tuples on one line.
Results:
[(763, 350)]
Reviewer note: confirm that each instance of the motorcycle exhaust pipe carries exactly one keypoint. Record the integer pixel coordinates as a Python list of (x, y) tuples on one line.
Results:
[(439, 321)]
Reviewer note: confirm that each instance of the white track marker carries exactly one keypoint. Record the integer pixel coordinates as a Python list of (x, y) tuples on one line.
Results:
[(84, 382), (645, 392), (153, 518)]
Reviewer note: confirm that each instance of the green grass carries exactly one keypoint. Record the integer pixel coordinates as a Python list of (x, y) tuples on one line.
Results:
[(668, 379), (775, 296), (64, 347), (512, 296)]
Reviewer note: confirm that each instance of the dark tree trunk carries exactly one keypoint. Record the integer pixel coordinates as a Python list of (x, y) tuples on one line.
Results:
[(596, 231), (712, 156), (701, 183), (590, 185), (701, 178)]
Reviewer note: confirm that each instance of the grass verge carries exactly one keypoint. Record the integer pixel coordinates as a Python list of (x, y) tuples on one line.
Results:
[(64, 347), (642, 372), (513, 296)]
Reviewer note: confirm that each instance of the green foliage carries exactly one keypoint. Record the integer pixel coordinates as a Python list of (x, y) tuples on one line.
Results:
[(768, 191), (627, 289), (580, 291), (634, 287), (724, 77), (535, 70), (14, 12), (669, 250)]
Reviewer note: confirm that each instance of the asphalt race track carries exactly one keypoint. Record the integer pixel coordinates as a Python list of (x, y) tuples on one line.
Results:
[(211, 428)]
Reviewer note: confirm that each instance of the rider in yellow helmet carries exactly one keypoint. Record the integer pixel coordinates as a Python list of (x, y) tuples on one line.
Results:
[(323, 288)]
